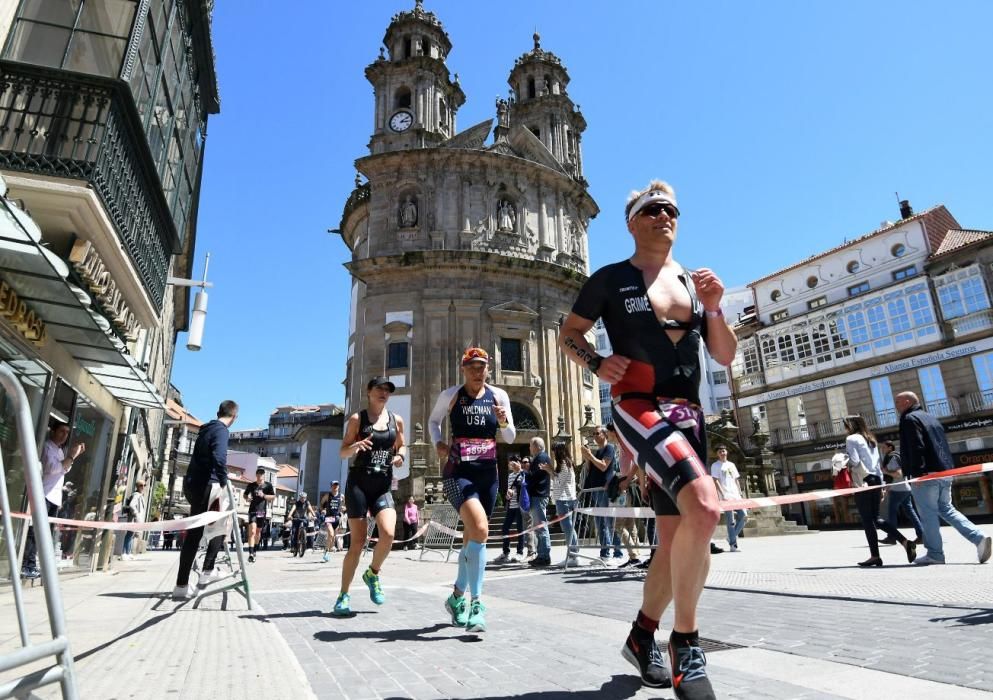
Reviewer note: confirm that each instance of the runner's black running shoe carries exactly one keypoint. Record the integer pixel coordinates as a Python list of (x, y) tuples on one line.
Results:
[(689, 673), (645, 655)]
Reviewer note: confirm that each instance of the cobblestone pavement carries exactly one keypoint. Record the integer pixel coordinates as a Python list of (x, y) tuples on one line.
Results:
[(814, 627), (809, 623)]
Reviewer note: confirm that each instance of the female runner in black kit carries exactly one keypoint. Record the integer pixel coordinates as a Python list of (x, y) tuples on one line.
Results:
[(374, 442)]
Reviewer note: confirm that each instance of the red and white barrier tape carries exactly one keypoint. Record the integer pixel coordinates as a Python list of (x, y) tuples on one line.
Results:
[(766, 501), (187, 523)]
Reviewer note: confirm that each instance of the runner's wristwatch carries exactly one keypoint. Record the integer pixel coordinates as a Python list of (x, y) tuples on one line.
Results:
[(594, 364)]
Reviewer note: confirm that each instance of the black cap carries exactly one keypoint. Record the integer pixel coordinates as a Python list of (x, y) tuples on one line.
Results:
[(381, 381), (260, 470)]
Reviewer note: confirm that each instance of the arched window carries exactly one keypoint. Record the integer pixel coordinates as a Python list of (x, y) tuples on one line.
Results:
[(401, 98), (524, 417), (531, 93), (406, 48)]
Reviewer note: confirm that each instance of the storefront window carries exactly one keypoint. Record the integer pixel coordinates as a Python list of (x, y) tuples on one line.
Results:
[(34, 380), (85, 482)]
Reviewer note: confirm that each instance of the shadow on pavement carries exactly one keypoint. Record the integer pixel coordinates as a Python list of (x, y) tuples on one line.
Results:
[(977, 617), (150, 622), (617, 688), (887, 566), (134, 594), (398, 635), (305, 613)]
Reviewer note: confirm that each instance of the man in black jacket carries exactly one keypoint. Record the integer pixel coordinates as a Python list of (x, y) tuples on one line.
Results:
[(924, 450), (206, 481)]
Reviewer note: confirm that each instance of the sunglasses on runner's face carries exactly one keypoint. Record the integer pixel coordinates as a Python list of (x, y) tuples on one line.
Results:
[(656, 208)]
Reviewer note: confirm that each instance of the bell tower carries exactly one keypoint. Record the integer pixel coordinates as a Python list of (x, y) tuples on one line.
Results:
[(416, 100), (540, 102)]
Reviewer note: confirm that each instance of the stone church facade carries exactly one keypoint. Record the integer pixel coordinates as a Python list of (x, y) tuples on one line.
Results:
[(460, 239)]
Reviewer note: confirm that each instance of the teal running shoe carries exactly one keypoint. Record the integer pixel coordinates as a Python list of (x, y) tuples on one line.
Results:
[(476, 622), (458, 609), (375, 590), (342, 606)]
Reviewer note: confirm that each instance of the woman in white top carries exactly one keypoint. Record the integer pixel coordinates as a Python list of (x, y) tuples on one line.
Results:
[(863, 463), (564, 495)]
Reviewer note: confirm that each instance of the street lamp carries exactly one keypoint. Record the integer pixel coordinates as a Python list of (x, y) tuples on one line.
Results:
[(195, 339)]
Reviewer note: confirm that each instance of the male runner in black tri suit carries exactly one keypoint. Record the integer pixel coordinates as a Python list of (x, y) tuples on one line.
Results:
[(656, 314), (259, 494)]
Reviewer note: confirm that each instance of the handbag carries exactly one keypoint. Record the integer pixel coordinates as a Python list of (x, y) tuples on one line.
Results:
[(843, 479)]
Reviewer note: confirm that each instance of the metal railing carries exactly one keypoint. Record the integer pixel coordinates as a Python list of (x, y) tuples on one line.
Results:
[(31, 652), (942, 408), (980, 400), (60, 124)]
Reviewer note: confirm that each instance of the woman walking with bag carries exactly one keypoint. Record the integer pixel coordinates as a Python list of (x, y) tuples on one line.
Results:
[(863, 464)]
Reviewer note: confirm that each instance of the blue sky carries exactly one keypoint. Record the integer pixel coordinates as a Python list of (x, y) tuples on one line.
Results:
[(786, 127)]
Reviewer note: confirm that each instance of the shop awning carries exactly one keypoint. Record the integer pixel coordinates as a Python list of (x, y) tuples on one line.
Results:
[(41, 280)]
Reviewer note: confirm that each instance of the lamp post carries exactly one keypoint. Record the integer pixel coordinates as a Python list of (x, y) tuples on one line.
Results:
[(195, 339)]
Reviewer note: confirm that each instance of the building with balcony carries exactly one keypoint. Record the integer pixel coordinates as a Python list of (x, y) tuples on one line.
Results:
[(279, 439), (905, 307), (103, 119)]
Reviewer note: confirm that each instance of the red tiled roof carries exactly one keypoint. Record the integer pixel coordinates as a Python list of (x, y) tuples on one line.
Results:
[(287, 470), (957, 238), (937, 222)]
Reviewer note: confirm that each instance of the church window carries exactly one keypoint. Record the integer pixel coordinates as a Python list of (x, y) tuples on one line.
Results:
[(401, 98), (531, 92), (511, 359), (406, 48), (536, 131), (398, 356)]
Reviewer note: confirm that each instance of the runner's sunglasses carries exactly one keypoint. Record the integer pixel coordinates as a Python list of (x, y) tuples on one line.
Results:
[(656, 208)]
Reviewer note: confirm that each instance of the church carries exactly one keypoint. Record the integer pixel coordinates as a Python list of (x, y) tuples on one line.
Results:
[(472, 237)]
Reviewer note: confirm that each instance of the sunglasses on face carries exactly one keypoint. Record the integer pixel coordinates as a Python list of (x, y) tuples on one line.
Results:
[(656, 208)]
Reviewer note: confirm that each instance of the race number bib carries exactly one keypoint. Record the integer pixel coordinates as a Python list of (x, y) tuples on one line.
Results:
[(477, 449)]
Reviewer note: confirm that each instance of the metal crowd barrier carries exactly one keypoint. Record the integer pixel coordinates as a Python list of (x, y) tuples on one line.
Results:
[(62, 671), (435, 539)]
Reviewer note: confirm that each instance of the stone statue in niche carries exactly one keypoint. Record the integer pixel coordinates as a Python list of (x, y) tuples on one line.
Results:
[(408, 213), (577, 246), (506, 216)]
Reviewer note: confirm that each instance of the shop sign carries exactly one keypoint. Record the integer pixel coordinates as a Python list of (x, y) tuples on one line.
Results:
[(90, 267), (967, 459), (968, 424), (25, 320)]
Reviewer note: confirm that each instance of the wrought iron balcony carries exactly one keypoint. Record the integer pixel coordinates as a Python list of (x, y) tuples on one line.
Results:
[(84, 127), (942, 408), (980, 400), (796, 433)]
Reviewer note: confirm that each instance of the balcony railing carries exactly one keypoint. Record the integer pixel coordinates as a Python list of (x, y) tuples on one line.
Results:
[(972, 323), (745, 382), (83, 127), (980, 400), (942, 408)]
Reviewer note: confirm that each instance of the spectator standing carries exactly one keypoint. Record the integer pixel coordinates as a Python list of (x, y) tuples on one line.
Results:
[(55, 464), (134, 511), (564, 496), (924, 450), (539, 491), (602, 469), (725, 475), (516, 489), (411, 518)]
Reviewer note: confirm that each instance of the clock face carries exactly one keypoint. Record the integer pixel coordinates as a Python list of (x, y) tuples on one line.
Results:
[(401, 121)]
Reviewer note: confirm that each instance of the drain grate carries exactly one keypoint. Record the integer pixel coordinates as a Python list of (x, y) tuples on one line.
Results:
[(712, 645)]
